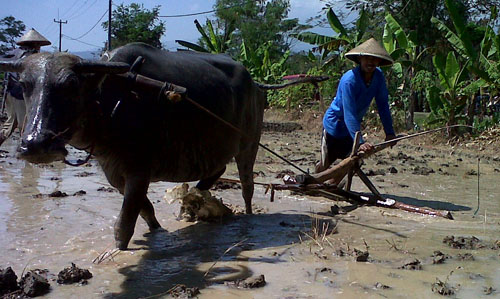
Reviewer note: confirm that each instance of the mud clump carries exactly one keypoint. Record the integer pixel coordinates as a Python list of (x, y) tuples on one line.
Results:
[(224, 185), (381, 286), (33, 284), (249, 283), (438, 257), (58, 194), (182, 291), (465, 257), (197, 204), (8, 281), (463, 242), (442, 288), (360, 256), (73, 274), (106, 189), (412, 264), (422, 170)]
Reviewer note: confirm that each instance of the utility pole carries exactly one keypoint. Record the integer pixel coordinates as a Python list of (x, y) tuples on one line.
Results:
[(109, 26), (60, 30)]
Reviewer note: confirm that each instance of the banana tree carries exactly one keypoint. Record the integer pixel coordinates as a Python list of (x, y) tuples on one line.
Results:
[(211, 40), (260, 65), (339, 44), (406, 53), (448, 102), (478, 59)]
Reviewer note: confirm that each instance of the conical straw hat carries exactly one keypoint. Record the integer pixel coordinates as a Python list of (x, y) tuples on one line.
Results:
[(33, 39), (370, 48)]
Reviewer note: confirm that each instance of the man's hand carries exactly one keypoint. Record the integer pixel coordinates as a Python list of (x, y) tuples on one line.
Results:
[(366, 147)]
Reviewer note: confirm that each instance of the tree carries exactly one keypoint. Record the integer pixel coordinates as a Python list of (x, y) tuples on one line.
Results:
[(257, 22), (134, 23), (476, 55), (212, 40), (342, 42), (10, 30)]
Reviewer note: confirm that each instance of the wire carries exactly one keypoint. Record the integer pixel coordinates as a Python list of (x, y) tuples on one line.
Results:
[(78, 10), (71, 7), (76, 40), (94, 25), (205, 12), (85, 10)]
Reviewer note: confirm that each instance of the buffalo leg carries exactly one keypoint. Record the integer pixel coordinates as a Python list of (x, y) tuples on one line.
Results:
[(133, 202), (245, 161), (207, 183), (148, 214)]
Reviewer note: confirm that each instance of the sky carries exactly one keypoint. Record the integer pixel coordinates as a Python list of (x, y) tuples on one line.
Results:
[(84, 32)]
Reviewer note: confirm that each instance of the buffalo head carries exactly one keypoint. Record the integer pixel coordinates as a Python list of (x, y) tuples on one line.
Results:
[(56, 88)]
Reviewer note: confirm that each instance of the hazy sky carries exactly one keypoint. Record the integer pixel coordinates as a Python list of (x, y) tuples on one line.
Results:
[(84, 18)]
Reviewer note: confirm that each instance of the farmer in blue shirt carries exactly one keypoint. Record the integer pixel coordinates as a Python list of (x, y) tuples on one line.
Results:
[(355, 92)]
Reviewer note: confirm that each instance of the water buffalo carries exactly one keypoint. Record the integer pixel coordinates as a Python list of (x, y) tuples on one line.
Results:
[(136, 137)]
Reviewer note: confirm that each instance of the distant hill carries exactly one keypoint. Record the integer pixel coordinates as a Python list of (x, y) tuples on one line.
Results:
[(90, 55)]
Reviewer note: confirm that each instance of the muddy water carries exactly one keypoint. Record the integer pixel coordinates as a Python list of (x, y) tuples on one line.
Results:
[(39, 231)]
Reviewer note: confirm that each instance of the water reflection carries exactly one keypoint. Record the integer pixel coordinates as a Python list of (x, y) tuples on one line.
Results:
[(175, 258)]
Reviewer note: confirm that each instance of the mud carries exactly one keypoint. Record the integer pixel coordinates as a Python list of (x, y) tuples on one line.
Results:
[(286, 240), (73, 274)]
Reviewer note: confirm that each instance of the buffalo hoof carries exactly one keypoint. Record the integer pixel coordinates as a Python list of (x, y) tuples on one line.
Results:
[(122, 245)]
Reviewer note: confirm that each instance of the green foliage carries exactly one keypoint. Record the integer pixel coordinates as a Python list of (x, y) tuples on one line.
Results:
[(212, 40), (257, 22), (260, 65), (302, 95), (10, 30), (342, 42), (134, 23), (448, 102)]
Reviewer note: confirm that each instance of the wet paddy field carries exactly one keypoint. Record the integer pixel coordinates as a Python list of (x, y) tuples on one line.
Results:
[(54, 215)]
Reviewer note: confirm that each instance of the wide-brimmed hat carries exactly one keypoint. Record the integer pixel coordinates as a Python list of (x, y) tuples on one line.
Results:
[(33, 39), (370, 48)]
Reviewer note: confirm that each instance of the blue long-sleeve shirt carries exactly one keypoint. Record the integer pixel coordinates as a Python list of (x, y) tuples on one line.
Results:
[(343, 117)]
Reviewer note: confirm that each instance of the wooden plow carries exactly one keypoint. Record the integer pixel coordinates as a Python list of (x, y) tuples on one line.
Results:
[(335, 183)]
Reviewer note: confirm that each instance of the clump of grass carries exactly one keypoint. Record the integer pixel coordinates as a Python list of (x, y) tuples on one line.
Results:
[(320, 232)]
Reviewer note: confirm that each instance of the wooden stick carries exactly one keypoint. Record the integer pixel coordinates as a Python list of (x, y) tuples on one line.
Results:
[(316, 189)]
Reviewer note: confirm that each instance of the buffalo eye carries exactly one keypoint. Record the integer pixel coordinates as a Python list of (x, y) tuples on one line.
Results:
[(68, 83)]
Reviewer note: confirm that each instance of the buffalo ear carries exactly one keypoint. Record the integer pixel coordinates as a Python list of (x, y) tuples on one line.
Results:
[(11, 66), (101, 67)]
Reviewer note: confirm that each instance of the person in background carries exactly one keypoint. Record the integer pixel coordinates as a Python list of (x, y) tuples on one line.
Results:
[(15, 106), (355, 92)]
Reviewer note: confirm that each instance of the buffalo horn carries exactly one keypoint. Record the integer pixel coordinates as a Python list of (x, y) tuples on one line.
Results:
[(11, 66), (106, 67)]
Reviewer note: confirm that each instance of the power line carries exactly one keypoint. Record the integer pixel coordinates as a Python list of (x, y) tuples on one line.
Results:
[(93, 26), (77, 40), (205, 12), (71, 7), (78, 10), (85, 10)]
